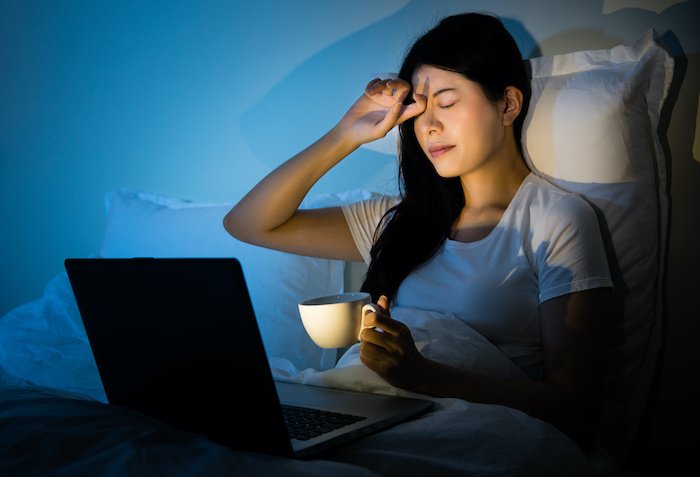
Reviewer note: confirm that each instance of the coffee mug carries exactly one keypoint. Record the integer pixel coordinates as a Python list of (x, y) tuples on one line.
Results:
[(335, 321)]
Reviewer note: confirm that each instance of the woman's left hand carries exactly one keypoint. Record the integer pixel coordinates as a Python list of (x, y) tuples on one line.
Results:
[(390, 350)]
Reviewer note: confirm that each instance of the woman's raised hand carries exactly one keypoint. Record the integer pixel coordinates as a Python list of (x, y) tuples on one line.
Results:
[(379, 109)]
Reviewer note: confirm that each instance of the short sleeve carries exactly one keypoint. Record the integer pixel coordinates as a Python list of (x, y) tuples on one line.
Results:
[(572, 255), (363, 217)]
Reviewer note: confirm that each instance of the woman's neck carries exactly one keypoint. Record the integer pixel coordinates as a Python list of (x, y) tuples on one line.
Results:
[(494, 185)]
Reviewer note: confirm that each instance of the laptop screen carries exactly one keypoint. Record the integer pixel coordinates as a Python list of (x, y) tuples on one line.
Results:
[(177, 339)]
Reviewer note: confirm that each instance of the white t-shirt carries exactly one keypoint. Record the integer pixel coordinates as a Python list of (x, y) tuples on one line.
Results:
[(546, 244)]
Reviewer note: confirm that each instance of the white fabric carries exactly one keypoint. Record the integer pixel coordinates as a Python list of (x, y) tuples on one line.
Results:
[(547, 243), (82, 436), (606, 105), (456, 437), (593, 128), (43, 343), (440, 336), (369, 211), (49, 433), (142, 224)]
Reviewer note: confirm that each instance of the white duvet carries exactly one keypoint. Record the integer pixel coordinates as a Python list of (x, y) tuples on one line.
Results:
[(43, 350), (456, 437)]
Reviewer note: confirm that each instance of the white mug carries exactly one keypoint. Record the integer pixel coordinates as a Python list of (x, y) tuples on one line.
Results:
[(335, 321)]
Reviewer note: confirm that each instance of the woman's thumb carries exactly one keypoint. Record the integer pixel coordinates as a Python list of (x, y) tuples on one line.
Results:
[(383, 302)]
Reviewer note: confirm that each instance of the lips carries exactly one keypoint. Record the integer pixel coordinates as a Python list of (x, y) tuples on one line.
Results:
[(438, 150)]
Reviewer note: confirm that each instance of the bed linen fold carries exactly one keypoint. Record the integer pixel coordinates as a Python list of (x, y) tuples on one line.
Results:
[(456, 437), (54, 419), (51, 433)]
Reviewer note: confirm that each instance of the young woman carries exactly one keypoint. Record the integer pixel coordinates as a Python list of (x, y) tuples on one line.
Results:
[(474, 233)]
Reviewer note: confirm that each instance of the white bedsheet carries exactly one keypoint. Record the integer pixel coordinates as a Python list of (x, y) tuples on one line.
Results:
[(456, 437), (43, 346)]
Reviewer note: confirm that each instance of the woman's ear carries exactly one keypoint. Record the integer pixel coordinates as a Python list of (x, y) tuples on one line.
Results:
[(513, 104)]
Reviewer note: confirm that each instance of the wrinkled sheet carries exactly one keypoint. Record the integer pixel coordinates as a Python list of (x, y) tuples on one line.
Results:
[(49, 433), (54, 420), (456, 437)]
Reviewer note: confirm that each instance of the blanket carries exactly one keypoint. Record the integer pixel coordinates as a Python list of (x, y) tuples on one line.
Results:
[(456, 437), (52, 406)]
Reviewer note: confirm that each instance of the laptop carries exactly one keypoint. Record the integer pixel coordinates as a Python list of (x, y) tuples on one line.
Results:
[(177, 339)]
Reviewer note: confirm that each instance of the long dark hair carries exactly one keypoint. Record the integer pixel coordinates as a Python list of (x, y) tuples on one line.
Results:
[(480, 48)]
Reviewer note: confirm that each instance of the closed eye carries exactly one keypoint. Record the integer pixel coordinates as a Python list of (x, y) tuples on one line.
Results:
[(447, 106)]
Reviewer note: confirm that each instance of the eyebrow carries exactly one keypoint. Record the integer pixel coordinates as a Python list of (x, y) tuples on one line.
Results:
[(443, 90)]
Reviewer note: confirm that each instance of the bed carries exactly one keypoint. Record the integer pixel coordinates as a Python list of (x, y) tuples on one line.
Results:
[(54, 419)]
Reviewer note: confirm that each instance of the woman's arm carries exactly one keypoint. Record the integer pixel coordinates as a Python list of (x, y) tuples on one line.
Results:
[(268, 215), (574, 334)]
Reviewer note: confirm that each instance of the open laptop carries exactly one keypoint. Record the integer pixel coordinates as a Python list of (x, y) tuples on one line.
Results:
[(177, 339)]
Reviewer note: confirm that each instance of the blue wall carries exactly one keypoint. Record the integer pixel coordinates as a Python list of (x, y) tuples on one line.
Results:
[(199, 99)]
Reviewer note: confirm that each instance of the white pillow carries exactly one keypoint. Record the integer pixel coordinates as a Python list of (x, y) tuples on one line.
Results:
[(592, 128), (141, 224)]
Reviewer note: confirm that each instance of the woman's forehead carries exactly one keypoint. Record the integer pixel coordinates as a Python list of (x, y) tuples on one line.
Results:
[(429, 79)]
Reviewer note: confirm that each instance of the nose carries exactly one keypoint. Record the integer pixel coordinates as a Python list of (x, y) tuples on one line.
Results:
[(428, 122)]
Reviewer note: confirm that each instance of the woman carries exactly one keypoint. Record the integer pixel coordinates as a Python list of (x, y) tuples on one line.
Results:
[(474, 232)]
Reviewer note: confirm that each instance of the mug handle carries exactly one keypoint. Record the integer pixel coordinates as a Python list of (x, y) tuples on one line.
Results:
[(367, 308)]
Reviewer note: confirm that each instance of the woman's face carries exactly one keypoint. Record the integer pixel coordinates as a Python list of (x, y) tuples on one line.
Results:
[(460, 130)]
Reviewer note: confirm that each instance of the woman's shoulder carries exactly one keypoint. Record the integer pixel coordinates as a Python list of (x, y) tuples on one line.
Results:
[(376, 205), (543, 192), (551, 204), (363, 217)]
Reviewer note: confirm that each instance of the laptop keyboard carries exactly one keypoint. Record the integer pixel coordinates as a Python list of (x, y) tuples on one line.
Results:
[(305, 423)]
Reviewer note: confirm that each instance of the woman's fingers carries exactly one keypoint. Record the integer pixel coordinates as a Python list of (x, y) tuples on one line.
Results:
[(391, 117), (375, 86), (413, 109), (384, 336), (372, 84), (383, 302), (396, 89), (382, 320), (383, 108)]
